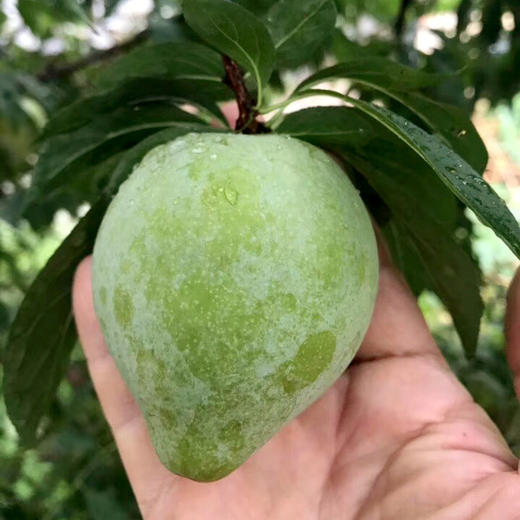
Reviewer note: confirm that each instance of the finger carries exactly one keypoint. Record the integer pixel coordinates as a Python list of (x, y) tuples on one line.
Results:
[(141, 463), (512, 327), (397, 327)]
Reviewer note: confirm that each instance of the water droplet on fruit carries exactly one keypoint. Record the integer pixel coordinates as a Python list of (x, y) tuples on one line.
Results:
[(231, 195), (132, 202), (213, 156), (197, 150)]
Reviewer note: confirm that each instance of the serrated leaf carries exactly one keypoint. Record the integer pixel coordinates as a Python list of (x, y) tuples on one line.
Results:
[(375, 72), (300, 28), (132, 93), (235, 32), (172, 60), (43, 332), (456, 173)]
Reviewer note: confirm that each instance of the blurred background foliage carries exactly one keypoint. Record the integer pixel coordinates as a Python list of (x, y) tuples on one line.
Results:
[(53, 51)]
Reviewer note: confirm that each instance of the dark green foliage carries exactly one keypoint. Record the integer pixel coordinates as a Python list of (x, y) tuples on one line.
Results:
[(234, 31), (43, 333), (73, 127), (300, 28)]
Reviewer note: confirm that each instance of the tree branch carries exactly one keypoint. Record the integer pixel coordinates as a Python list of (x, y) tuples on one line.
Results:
[(54, 72), (401, 17), (246, 122)]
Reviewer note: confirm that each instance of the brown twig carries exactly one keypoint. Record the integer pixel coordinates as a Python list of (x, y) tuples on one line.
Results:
[(56, 72), (246, 122)]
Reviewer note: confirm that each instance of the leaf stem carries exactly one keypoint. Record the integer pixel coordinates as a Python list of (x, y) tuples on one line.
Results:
[(246, 122)]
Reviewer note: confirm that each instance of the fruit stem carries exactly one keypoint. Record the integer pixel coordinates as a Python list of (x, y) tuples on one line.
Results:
[(246, 122)]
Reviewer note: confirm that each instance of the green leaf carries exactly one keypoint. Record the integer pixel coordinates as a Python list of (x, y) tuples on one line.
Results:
[(452, 124), (396, 81), (456, 173), (235, 32), (37, 16), (172, 60), (456, 283), (133, 92), (300, 28), (258, 7), (433, 260), (60, 152), (404, 256), (43, 332), (328, 126), (376, 72)]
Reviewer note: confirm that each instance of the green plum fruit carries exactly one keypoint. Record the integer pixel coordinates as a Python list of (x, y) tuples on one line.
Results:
[(234, 278)]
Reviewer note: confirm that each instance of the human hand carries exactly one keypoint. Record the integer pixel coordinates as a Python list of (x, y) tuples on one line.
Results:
[(396, 437)]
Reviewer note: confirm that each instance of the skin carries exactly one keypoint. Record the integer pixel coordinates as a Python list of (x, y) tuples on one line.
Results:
[(396, 437)]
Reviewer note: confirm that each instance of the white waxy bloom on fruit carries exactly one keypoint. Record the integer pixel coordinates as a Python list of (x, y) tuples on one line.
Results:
[(234, 279)]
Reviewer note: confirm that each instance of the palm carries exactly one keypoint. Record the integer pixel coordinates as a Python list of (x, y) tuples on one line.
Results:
[(396, 437)]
